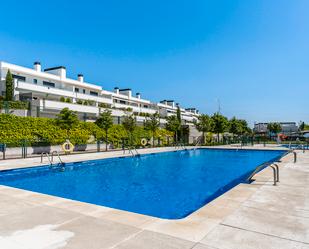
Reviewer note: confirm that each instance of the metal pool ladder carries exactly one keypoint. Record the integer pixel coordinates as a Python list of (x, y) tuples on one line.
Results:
[(50, 158), (132, 151), (275, 168)]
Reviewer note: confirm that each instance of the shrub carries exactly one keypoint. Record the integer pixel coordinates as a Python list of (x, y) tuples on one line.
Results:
[(16, 105), (103, 105), (68, 100), (62, 99)]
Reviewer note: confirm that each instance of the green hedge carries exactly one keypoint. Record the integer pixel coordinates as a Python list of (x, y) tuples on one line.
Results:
[(17, 105), (45, 131)]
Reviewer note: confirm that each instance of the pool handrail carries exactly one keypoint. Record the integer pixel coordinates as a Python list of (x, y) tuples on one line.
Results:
[(58, 155), (275, 168), (48, 157)]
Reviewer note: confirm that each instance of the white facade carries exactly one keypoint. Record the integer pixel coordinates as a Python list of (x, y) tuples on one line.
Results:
[(48, 89)]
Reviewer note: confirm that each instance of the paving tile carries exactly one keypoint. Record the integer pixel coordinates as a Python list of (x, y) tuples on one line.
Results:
[(217, 209), (32, 217), (224, 237), (202, 246), (77, 206), (188, 229), (152, 240), (92, 233), (269, 222), (15, 192), (128, 218), (10, 205), (282, 202), (241, 192)]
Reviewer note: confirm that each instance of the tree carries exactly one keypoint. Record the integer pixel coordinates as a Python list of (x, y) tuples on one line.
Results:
[(274, 128), (301, 125), (152, 124), (105, 122), (173, 125), (67, 119), (220, 124), (9, 86), (129, 123), (234, 126), (203, 124), (238, 126), (179, 131), (243, 127)]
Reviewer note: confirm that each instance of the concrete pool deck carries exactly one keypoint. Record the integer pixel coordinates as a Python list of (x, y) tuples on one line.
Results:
[(257, 215)]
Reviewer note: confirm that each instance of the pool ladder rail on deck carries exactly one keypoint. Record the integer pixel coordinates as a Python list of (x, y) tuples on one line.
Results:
[(180, 146), (50, 158), (132, 151), (275, 168)]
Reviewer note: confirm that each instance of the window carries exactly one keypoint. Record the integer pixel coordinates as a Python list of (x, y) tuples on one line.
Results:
[(49, 84), (122, 102), (35, 81), (84, 91), (18, 77), (145, 106), (94, 93), (76, 90)]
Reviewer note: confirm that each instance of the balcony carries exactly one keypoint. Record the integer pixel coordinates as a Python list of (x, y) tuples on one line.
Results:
[(135, 108), (20, 86)]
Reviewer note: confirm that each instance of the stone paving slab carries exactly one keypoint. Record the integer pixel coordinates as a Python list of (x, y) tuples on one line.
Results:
[(225, 237), (270, 222), (151, 240), (92, 233)]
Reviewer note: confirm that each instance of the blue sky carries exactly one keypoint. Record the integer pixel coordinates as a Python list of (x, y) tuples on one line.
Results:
[(252, 55)]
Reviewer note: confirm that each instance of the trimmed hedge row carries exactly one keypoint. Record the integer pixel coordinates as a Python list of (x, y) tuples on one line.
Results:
[(44, 131), (17, 105)]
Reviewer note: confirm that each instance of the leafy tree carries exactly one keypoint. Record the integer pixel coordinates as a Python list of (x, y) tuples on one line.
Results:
[(179, 131), (203, 124), (173, 125), (67, 119), (238, 126), (9, 86), (105, 122), (152, 124), (220, 123), (129, 123), (243, 127), (274, 128), (234, 126), (301, 125)]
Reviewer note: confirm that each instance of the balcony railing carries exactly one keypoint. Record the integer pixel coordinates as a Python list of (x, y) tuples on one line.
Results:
[(60, 92)]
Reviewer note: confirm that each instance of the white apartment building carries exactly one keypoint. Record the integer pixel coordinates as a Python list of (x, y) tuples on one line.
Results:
[(49, 90)]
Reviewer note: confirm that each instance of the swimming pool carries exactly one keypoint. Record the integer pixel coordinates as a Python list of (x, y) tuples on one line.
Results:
[(166, 185)]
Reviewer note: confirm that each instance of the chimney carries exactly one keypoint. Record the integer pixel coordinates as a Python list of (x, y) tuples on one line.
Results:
[(116, 90), (37, 66), (80, 78), (138, 95), (127, 92), (163, 102), (59, 71)]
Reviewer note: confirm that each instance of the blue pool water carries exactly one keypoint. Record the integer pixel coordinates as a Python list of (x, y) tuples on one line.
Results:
[(166, 185)]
